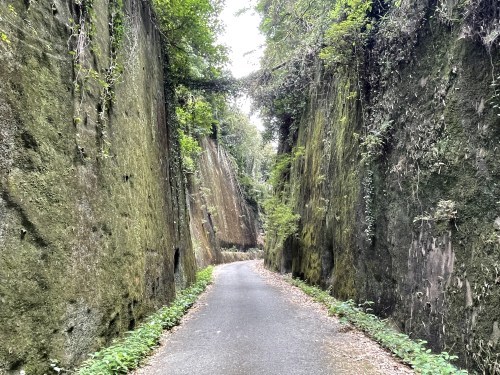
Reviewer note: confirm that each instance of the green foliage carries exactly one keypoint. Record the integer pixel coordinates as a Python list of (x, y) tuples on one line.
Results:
[(302, 35), (224, 84), (371, 146), (348, 31), (196, 68), (4, 38), (291, 24), (446, 211), (190, 150), (373, 143), (128, 353), (241, 138), (294, 33), (279, 218), (196, 120), (282, 167), (117, 27), (190, 28), (194, 112), (412, 352)]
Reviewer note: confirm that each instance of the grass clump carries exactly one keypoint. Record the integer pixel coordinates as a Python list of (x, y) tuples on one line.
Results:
[(411, 352), (127, 353)]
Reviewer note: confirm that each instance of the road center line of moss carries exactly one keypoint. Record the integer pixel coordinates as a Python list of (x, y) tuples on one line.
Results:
[(127, 354), (409, 351)]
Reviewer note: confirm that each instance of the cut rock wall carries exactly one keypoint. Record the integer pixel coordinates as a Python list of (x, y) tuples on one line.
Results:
[(221, 218), (92, 198), (399, 192)]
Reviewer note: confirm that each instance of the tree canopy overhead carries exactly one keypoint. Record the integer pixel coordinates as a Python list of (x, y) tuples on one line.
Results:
[(299, 35), (294, 32), (190, 28)]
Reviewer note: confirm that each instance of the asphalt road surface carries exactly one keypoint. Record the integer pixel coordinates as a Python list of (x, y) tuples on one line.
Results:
[(246, 326)]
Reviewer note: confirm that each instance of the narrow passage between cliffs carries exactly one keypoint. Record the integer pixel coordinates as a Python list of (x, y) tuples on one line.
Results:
[(248, 323)]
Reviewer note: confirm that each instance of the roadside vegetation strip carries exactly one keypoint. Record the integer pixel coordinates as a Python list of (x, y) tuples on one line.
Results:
[(411, 352), (126, 354)]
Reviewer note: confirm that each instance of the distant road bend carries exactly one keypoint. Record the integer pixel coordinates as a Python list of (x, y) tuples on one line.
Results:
[(247, 326)]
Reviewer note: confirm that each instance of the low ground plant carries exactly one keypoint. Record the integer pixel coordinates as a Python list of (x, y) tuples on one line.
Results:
[(128, 353), (412, 352)]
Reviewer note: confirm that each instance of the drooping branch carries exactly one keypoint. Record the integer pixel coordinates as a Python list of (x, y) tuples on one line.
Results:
[(215, 85)]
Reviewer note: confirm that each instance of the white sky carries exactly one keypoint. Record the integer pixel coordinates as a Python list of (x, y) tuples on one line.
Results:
[(245, 42), (242, 36)]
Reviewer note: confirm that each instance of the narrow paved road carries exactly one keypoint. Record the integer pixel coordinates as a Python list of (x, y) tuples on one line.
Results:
[(246, 326)]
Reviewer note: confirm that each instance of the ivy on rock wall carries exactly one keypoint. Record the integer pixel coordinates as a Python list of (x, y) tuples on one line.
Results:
[(196, 120)]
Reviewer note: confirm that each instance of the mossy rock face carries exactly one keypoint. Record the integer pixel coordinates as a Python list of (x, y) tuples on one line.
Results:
[(408, 220), (220, 216), (92, 204)]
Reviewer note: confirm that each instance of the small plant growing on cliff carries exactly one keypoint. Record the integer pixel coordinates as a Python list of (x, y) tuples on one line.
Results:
[(348, 31), (190, 150), (371, 146), (373, 143), (280, 218), (282, 166), (4, 38), (445, 211), (368, 193), (495, 99), (196, 118)]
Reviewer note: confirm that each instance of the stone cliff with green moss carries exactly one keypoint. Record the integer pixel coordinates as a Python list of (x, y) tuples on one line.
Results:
[(221, 217), (94, 226), (394, 164)]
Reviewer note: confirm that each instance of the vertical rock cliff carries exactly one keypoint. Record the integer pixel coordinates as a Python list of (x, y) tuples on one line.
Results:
[(94, 227), (221, 218), (397, 180)]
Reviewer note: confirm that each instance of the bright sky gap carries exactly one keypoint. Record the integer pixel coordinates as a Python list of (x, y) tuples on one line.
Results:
[(245, 43)]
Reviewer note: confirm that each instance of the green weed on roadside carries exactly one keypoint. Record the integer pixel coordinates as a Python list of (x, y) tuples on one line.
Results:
[(412, 352), (128, 353)]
